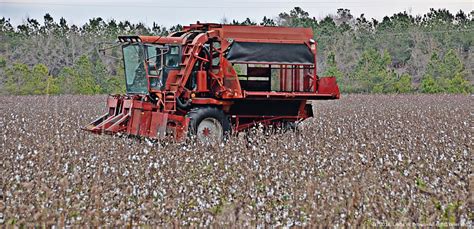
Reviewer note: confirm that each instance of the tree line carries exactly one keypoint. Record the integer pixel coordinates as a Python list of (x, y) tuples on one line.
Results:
[(402, 53)]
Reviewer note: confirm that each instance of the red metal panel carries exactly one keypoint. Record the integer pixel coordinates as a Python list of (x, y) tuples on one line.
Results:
[(161, 40), (127, 103), (271, 63), (328, 85), (135, 121), (288, 95), (266, 33), (119, 125), (112, 102), (205, 101), (145, 123), (179, 126), (147, 106), (202, 81), (269, 41), (158, 124), (302, 112), (172, 78), (255, 32)]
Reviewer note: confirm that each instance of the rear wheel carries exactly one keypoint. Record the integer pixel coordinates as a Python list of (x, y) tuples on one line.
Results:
[(208, 124)]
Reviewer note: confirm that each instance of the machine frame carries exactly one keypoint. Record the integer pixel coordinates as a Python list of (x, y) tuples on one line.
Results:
[(206, 77)]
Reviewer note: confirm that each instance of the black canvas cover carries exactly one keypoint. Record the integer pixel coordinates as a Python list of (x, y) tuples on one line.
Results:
[(270, 53)]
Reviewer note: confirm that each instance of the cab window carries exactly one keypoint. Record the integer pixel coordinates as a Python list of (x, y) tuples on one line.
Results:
[(172, 57)]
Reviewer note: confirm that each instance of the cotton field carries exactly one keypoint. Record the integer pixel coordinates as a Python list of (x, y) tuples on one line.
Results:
[(364, 160)]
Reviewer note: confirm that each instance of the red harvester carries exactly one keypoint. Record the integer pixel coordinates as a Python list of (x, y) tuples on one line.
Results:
[(211, 79)]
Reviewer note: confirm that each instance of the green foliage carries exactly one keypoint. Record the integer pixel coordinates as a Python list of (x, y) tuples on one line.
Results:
[(430, 85), (246, 22), (38, 84), (16, 79), (445, 74), (452, 65), (459, 85), (3, 62), (66, 78), (372, 72), (449, 215), (88, 78), (403, 85), (333, 70), (297, 18), (267, 22), (21, 80), (238, 69), (435, 66), (420, 183), (84, 80), (372, 56), (373, 75), (446, 67), (100, 75), (116, 84), (52, 86)]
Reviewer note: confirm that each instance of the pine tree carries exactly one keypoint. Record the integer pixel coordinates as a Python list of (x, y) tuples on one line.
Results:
[(372, 72), (445, 75), (17, 77), (39, 81), (403, 85), (66, 80), (430, 85), (331, 67), (333, 70), (101, 75), (3, 65), (459, 85), (84, 80)]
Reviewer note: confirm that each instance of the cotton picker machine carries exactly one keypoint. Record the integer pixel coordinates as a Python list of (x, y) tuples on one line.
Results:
[(210, 79)]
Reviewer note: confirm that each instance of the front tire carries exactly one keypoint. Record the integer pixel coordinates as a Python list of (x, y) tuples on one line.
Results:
[(208, 124)]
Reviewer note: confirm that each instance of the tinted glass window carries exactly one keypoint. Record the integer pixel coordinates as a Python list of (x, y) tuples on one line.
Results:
[(172, 57), (136, 81)]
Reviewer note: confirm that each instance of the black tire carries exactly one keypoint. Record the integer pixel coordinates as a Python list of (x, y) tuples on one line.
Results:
[(198, 114)]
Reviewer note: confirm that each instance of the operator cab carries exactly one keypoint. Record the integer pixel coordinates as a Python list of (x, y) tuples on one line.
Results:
[(147, 62)]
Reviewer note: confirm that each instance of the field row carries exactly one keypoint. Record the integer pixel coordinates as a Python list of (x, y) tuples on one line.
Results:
[(363, 160)]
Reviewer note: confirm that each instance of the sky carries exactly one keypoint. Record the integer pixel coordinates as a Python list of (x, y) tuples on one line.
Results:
[(168, 13)]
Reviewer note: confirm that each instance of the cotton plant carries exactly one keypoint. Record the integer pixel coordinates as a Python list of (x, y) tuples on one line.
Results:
[(364, 160)]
